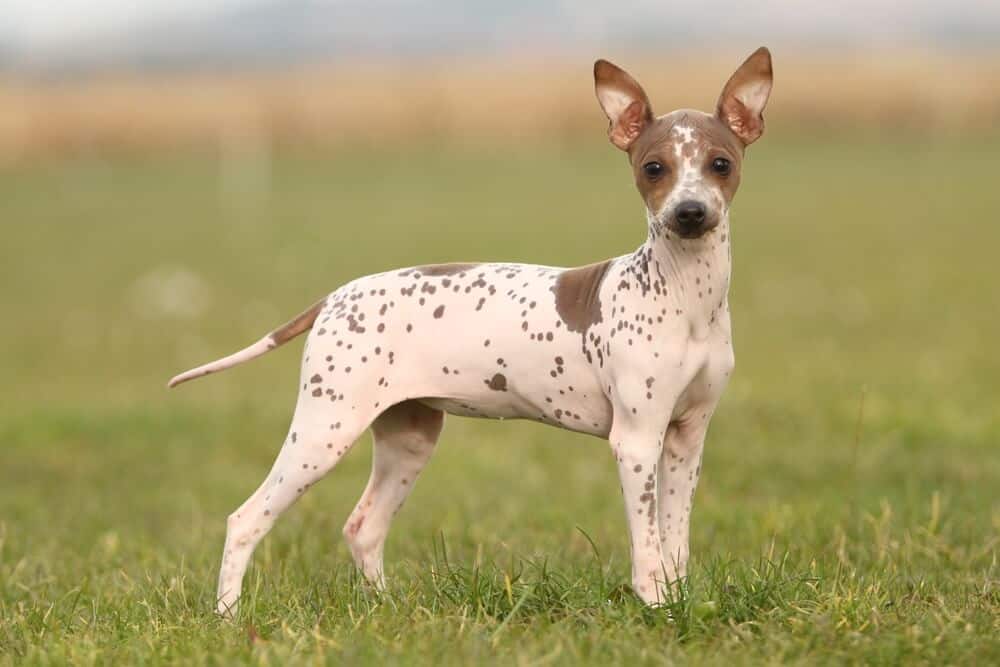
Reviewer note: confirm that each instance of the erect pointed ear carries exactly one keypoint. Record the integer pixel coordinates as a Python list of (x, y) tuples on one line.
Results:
[(741, 105), (624, 102)]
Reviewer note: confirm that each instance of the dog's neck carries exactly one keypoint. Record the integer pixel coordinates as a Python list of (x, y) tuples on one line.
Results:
[(696, 272)]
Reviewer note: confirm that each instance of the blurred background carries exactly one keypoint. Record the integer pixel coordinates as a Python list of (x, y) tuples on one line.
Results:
[(177, 178), (237, 76)]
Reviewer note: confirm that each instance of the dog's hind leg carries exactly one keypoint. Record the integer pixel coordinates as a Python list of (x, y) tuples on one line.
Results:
[(404, 436), (317, 440)]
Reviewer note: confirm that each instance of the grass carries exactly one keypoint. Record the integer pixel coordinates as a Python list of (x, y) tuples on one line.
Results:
[(848, 510)]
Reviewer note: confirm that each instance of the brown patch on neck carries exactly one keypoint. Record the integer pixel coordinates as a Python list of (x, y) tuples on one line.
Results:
[(578, 295), (301, 323), (446, 269)]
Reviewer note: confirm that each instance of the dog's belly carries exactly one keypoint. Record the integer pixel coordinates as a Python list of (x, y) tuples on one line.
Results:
[(580, 407)]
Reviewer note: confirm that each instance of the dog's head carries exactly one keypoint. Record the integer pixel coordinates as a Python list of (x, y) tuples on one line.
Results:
[(686, 163)]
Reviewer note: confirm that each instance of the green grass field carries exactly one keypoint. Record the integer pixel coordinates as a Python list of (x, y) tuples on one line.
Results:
[(849, 508)]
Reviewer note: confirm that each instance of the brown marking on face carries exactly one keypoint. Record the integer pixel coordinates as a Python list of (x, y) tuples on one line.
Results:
[(301, 323), (578, 295), (446, 269), (711, 139)]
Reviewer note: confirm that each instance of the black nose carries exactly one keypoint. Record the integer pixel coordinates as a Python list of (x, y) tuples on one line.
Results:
[(690, 214)]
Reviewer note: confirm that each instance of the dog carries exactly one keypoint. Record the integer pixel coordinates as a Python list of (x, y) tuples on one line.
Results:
[(636, 349)]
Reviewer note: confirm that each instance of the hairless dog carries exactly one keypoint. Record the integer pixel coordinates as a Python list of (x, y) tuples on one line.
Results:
[(636, 349)]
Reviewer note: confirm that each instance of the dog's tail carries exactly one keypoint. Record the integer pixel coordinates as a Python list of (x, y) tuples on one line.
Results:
[(278, 337)]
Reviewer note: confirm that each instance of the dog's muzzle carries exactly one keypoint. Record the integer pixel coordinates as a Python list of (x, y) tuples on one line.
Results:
[(690, 219)]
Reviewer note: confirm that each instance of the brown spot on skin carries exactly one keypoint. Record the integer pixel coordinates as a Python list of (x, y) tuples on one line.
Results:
[(498, 382), (578, 299), (446, 269), (438, 312), (302, 323)]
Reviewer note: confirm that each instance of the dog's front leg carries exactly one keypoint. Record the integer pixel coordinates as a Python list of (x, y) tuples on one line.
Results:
[(680, 466), (637, 451)]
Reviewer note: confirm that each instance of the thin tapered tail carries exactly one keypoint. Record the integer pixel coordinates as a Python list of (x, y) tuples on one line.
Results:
[(276, 338)]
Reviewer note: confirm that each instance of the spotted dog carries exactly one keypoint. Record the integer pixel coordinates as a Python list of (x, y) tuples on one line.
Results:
[(635, 349)]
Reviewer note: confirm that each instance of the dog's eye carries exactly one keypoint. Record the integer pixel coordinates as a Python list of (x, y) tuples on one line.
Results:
[(721, 166), (653, 170)]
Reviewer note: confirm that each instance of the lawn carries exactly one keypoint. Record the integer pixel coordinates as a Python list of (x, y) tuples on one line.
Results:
[(849, 508)]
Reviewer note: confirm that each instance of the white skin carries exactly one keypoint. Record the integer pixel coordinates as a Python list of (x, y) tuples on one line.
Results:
[(636, 350)]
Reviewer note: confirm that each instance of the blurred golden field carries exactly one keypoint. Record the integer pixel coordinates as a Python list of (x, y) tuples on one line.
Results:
[(463, 99)]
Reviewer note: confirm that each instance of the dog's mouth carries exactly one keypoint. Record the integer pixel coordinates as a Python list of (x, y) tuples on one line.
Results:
[(690, 232)]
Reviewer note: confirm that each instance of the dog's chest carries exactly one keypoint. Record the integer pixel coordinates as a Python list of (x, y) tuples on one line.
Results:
[(667, 322)]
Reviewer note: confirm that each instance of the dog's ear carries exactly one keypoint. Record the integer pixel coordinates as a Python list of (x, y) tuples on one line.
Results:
[(741, 105), (624, 102)]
